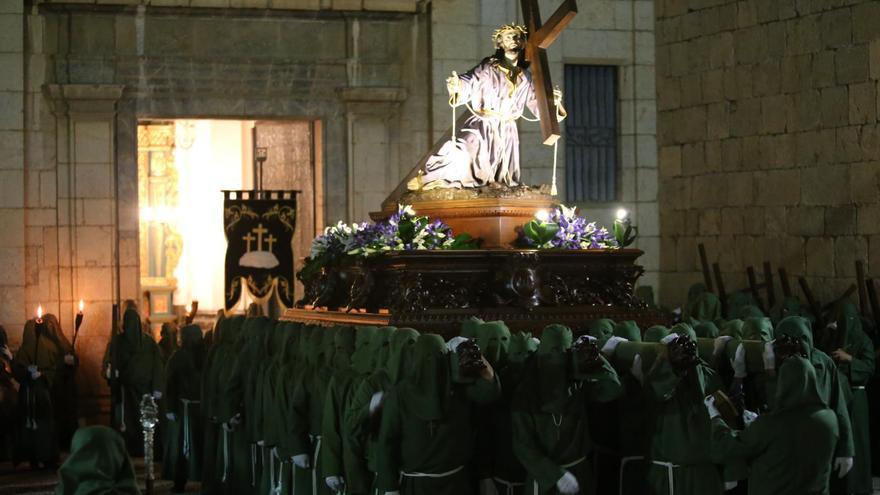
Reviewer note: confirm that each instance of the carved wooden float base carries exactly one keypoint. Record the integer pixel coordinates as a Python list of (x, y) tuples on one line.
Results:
[(436, 290)]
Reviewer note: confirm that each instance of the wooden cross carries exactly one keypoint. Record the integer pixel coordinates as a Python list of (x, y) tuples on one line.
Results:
[(249, 239), (260, 230), (271, 241), (540, 37)]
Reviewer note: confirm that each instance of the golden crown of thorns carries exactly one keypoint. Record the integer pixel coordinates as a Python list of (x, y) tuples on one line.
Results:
[(509, 27)]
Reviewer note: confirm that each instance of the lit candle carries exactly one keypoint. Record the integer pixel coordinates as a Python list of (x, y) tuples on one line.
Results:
[(188, 309), (39, 313), (542, 215), (81, 306)]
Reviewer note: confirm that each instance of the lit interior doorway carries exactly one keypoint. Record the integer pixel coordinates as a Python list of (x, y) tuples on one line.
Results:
[(183, 167)]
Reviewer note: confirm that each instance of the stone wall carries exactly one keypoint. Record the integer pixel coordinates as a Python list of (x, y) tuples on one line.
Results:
[(769, 139), (605, 32)]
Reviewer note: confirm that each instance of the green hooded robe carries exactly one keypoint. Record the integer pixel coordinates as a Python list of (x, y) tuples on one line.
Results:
[(360, 430), (425, 438), (827, 379), (680, 454), (857, 372), (45, 349), (97, 465), (790, 449), (138, 361), (551, 433), (183, 398)]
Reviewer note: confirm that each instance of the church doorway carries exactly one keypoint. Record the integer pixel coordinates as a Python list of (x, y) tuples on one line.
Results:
[(183, 167)]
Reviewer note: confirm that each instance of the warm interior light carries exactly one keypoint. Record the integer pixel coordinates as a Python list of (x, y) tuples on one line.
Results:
[(622, 214), (82, 305), (542, 215)]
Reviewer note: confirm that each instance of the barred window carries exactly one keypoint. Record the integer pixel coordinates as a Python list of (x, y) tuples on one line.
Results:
[(591, 133)]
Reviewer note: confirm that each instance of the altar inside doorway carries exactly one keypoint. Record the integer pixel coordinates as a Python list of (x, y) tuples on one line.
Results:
[(183, 167)]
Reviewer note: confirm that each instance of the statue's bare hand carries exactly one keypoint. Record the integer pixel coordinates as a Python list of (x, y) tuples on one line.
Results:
[(557, 96), (453, 84)]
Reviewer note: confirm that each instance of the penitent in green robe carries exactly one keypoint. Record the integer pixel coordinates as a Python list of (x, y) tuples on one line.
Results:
[(425, 439), (183, 398), (137, 358), (551, 433), (352, 363), (790, 449), (97, 465), (361, 428), (827, 379), (680, 431), (857, 373)]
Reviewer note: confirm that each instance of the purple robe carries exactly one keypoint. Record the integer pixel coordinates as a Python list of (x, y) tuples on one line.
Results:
[(486, 148)]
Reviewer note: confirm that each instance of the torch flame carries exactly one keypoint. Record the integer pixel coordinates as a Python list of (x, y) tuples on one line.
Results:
[(81, 305), (189, 308), (39, 311)]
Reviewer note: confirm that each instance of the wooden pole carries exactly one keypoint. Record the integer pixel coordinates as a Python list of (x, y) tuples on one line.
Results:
[(721, 293), (811, 300), (704, 262), (753, 287), (768, 281), (863, 294)]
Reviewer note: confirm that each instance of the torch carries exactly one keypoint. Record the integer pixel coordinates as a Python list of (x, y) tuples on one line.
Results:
[(77, 322), (191, 310)]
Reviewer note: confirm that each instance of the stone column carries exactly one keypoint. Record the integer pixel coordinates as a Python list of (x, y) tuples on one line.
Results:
[(12, 185), (88, 221)]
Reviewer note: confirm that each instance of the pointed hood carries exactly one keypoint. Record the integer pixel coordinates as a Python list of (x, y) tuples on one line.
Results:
[(361, 360), (799, 328), (552, 362), (797, 386), (493, 338), (98, 463), (343, 348), (522, 346), (757, 328), (380, 347), (706, 330), (469, 327), (401, 352), (426, 385), (131, 328), (732, 328), (628, 330), (655, 333)]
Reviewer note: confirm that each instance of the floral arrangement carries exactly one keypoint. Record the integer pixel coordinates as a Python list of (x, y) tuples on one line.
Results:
[(562, 228), (403, 231)]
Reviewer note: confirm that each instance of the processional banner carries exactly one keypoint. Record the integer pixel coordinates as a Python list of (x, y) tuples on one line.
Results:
[(259, 228)]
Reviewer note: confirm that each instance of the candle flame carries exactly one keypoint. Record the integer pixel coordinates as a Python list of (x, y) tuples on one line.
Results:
[(39, 311), (542, 215), (81, 305), (189, 308)]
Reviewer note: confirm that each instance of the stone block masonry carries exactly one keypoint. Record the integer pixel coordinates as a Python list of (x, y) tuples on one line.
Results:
[(788, 92)]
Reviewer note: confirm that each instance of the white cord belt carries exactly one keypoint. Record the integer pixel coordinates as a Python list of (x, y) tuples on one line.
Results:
[(859, 387), (187, 429), (432, 475), (225, 454), (568, 465), (317, 440), (508, 485), (669, 467)]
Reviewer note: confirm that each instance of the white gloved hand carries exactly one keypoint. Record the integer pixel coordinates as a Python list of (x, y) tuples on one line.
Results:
[(35, 375), (769, 356), (157, 395), (301, 461), (228, 427), (535, 340), (235, 420), (739, 362), (487, 487), (32, 369), (395, 492), (454, 342), (842, 465), (567, 484), (336, 484), (720, 343), (171, 416), (636, 369), (749, 417), (730, 485), (69, 359), (611, 344), (669, 338), (709, 402), (376, 401), (261, 443)]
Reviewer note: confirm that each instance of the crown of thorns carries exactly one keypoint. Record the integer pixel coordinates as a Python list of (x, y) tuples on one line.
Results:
[(509, 27)]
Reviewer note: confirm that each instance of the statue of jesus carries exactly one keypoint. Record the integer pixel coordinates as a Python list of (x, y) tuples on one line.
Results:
[(486, 148)]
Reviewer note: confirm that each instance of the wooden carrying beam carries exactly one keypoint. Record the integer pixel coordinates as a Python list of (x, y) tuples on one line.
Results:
[(704, 263), (768, 282)]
